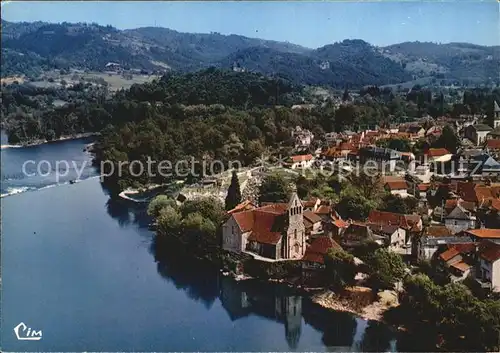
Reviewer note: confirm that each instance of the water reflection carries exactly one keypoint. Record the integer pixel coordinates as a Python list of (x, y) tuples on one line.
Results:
[(127, 213), (272, 302), (203, 283)]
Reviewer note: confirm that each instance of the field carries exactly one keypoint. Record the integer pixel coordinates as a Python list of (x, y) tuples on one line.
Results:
[(117, 81), (114, 80)]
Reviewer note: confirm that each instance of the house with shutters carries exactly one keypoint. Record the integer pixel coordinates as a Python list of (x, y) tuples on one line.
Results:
[(460, 218), (275, 231)]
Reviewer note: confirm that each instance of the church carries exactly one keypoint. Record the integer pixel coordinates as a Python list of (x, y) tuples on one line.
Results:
[(275, 231)]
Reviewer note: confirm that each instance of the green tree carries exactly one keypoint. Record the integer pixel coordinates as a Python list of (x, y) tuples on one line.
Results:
[(340, 268), (345, 95), (386, 268), (233, 197), (274, 188), (352, 205), (169, 220), (398, 204), (402, 145), (448, 140), (207, 207), (158, 203)]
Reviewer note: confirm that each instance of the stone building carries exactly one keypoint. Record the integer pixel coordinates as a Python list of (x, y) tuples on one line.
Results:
[(274, 231)]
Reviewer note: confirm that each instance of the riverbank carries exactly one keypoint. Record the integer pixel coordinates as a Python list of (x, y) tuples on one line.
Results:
[(42, 141), (145, 194), (359, 301)]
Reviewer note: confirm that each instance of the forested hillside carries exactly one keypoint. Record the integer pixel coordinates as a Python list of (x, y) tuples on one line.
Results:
[(31, 48)]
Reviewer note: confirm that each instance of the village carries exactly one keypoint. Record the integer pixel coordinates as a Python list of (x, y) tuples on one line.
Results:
[(455, 226)]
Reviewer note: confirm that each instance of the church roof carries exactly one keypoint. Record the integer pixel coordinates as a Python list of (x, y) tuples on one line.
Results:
[(266, 223)]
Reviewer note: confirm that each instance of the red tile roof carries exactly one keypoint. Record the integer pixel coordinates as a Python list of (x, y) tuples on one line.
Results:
[(463, 247), (244, 220), (489, 251), (495, 204), (437, 231), (381, 217), (493, 144), (346, 146), (449, 254), (423, 187), (262, 222), (310, 203), (461, 266), (339, 223), (323, 209), (485, 233), (437, 152), (456, 249), (312, 217), (265, 229), (300, 158), (397, 185), (244, 206), (318, 249)]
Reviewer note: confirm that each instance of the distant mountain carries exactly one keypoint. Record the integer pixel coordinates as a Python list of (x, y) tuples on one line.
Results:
[(30, 48), (458, 61), (360, 66)]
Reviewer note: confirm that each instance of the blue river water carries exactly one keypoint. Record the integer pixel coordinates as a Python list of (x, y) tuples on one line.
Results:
[(83, 269)]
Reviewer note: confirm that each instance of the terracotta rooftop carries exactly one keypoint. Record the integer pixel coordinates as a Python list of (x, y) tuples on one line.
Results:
[(489, 251), (265, 228), (244, 206), (324, 210), (310, 203), (449, 254), (485, 233), (456, 249), (339, 223), (397, 185), (493, 144), (437, 231), (437, 152), (262, 222), (318, 249), (300, 158), (461, 266), (404, 221), (424, 187), (312, 217), (383, 228)]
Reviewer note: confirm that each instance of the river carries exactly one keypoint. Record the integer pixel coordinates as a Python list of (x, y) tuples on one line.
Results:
[(82, 269)]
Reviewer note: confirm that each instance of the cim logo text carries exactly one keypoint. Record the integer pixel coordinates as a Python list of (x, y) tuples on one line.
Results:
[(25, 333)]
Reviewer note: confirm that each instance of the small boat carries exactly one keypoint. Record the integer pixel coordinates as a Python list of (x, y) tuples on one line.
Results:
[(73, 181), (152, 226)]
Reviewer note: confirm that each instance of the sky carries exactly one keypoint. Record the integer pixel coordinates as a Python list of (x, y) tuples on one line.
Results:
[(311, 24)]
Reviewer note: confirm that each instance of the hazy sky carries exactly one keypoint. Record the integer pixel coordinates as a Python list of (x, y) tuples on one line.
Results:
[(311, 24)]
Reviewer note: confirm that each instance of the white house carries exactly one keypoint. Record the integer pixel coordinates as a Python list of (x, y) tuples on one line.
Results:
[(460, 219), (301, 161), (437, 155), (399, 188), (477, 133), (435, 236), (488, 267), (394, 235)]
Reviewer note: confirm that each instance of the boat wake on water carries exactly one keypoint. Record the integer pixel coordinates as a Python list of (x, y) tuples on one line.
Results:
[(10, 191)]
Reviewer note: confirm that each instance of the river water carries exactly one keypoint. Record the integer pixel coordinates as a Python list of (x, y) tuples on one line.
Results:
[(83, 270)]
